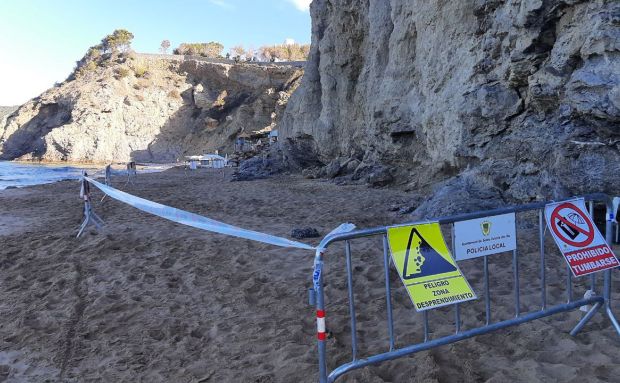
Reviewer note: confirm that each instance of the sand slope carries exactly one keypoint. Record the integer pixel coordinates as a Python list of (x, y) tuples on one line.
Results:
[(152, 301)]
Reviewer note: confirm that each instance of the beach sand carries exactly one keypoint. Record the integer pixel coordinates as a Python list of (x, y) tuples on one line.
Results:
[(148, 300)]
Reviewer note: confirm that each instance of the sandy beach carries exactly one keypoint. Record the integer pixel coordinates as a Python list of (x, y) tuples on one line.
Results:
[(148, 300)]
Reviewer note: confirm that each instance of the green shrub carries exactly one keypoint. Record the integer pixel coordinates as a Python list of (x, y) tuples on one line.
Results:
[(120, 39), (122, 72), (211, 49), (288, 52), (140, 70), (102, 55)]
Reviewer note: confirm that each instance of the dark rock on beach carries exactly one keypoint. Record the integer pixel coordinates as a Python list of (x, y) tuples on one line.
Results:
[(307, 232)]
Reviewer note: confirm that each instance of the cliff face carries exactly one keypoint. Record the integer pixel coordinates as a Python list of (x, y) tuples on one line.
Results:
[(148, 109), (5, 111), (519, 98)]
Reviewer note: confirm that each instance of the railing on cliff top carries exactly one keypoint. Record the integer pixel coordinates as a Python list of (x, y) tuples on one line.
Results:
[(299, 64)]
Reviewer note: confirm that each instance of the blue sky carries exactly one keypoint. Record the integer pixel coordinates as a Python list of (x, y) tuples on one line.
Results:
[(40, 40)]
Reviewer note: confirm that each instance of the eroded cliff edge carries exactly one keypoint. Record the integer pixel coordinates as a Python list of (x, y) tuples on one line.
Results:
[(496, 100), (148, 108)]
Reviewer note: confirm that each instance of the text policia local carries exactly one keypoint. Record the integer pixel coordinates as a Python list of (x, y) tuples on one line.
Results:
[(494, 246)]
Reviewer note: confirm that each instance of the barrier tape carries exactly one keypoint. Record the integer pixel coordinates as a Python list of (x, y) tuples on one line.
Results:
[(204, 223), (318, 263)]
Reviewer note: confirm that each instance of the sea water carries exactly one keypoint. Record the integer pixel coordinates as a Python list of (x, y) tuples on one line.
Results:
[(19, 174)]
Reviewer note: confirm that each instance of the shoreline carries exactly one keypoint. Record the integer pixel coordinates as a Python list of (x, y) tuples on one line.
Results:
[(83, 164), (26, 172)]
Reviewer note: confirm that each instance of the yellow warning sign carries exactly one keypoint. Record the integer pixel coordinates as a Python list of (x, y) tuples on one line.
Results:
[(425, 266)]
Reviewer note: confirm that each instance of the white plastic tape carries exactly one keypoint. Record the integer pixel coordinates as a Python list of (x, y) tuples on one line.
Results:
[(195, 220), (614, 210), (342, 228), (318, 264)]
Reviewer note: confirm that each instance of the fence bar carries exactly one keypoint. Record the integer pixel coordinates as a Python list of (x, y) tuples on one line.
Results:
[(457, 308), (613, 320), (598, 302), (487, 293), (515, 265), (388, 291), (454, 218), (320, 307), (569, 284), (457, 318), (593, 275), (586, 318), (343, 369), (425, 315), (543, 275), (351, 301), (607, 276)]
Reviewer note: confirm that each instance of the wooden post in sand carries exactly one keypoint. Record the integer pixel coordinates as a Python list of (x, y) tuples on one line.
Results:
[(132, 173), (108, 179), (90, 217)]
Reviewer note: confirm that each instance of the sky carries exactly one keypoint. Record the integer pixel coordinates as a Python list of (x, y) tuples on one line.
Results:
[(40, 40)]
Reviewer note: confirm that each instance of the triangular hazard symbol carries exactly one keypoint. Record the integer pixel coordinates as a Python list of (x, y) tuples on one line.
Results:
[(422, 260)]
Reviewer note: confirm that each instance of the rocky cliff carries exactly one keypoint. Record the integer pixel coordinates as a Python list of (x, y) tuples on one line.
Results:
[(492, 99), (143, 108), (5, 111)]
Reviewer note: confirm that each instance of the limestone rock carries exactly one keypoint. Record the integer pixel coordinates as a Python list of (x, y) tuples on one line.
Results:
[(211, 123), (332, 170), (261, 166), (380, 176), (522, 96), (202, 98), (184, 107)]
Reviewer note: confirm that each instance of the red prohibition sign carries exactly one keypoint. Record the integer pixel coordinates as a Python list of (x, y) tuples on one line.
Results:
[(555, 216)]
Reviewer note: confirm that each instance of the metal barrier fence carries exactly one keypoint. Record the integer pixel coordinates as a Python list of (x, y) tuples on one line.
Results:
[(598, 301)]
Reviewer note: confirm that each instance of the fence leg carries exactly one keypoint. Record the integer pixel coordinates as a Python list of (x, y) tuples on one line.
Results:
[(85, 222), (593, 275), (89, 215), (543, 274), (607, 276), (388, 291), (607, 296), (586, 319), (613, 320), (320, 319), (351, 301)]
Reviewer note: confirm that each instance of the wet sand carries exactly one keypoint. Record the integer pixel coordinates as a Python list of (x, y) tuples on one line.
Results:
[(148, 300)]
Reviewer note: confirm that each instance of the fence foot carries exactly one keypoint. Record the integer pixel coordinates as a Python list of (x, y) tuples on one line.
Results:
[(82, 227), (90, 217), (613, 319), (96, 220), (586, 318)]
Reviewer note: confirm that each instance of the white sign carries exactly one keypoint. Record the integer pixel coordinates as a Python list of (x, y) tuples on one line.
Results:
[(577, 237), (484, 236)]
